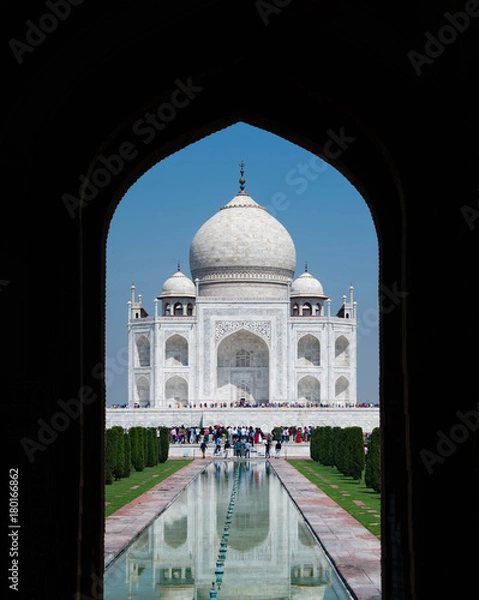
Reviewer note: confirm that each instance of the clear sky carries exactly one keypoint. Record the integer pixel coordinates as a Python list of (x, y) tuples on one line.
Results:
[(327, 218)]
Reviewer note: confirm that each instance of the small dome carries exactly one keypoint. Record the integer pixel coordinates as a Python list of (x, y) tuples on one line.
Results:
[(178, 286), (307, 286)]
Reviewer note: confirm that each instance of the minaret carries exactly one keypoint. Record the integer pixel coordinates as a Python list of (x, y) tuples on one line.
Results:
[(136, 306)]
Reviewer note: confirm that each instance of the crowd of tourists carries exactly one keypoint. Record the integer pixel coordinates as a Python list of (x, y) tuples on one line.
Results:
[(219, 434), (241, 404), (237, 441)]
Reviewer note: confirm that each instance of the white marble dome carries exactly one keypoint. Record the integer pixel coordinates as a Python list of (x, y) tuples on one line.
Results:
[(242, 240), (178, 286), (307, 286)]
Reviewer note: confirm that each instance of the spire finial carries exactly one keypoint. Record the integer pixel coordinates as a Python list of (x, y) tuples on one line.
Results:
[(242, 180), (305, 267), (179, 269)]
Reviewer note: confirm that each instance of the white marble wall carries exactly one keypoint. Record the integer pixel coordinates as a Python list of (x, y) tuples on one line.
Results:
[(266, 418)]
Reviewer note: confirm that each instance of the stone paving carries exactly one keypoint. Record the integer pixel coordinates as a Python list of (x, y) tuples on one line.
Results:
[(355, 552), (129, 521)]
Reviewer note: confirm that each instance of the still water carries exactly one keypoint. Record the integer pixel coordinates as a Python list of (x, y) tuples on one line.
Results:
[(235, 526)]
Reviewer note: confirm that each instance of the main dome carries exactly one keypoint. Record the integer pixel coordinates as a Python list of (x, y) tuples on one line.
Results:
[(242, 242)]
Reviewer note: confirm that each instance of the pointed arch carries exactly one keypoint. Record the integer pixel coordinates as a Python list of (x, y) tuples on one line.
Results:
[(309, 389), (176, 391), (242, 367), (307, 310), (341, 351), (309, 351), (176, 351), (341, 390), (143, 351), (143, 390)]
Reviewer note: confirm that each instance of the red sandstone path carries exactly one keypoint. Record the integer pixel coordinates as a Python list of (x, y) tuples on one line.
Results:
[(355, 552)]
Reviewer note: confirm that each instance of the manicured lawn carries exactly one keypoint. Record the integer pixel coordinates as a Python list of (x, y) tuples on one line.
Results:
[(123, 491), (358, 500)]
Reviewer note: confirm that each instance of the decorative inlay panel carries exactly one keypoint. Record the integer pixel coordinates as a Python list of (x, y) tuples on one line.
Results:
[(181, 332), (140, 334), (184, 375), (261, 328), (301, 334)]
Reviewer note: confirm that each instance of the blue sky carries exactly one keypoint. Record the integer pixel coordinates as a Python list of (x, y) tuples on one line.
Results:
[(155, 222)]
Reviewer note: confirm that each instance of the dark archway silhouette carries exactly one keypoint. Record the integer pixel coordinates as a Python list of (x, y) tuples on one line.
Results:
[(76, 135)]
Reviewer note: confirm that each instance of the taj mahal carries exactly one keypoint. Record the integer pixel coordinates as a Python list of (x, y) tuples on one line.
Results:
[(242, 340)]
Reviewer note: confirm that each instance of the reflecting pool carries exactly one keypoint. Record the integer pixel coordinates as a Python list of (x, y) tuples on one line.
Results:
[(233, 533)]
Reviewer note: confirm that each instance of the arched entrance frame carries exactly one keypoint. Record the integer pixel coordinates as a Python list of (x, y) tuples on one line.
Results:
[(393, 127)]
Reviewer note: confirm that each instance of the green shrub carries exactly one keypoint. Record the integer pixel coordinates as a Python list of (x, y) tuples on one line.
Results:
[(341, 450), (152, 457), (119, 457), (127, 455), (144, 432), (110, 450), (137, 448), (372, 474), (335, 439), (327, 446), (164, 444), (356, 452), (314, 443)]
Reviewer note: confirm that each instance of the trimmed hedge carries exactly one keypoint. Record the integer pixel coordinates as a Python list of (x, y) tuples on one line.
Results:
[(163, 444), (314, 443), (356, 461), (110, 444), (335, 443), (133, 450), (372, 474), (152, 457), (137, 448), (119, 455), (326, 448), (127, 455), (342, 448)]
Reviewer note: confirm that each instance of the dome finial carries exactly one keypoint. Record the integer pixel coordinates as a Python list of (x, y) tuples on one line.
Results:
[(305, 267), (179, 268), (242, 180)]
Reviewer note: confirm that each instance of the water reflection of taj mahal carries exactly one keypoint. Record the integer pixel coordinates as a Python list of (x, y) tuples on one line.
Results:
[(271, 552)]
